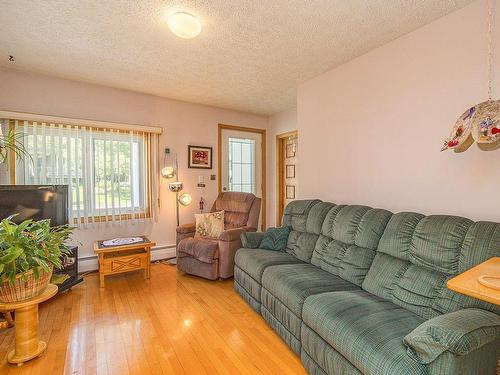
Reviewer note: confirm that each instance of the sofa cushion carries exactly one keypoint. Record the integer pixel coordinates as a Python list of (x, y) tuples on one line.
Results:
[(203, 249), (366, 329), (306, 218), (398, 234), (301, 245), (296, 213), (348, 240), (255, 261), (293, 283), (437, 242), (418, 254)]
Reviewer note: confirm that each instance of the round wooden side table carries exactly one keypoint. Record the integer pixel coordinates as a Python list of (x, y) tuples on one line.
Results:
[(27, 346)]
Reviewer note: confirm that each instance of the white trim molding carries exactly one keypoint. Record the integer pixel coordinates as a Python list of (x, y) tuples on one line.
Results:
[(78, 122)]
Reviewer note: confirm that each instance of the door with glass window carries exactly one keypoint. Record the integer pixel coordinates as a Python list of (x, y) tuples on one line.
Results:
[(241, 161)]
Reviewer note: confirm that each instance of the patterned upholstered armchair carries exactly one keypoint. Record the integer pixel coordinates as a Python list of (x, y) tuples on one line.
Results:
[(214, 258)]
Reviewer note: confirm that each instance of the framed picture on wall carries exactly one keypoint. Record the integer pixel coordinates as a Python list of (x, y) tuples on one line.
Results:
[(290, 171), (199, 157), (290, 192)]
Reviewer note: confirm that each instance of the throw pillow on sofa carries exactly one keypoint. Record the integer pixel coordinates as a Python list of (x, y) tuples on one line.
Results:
[(275, 238), (209, 225)]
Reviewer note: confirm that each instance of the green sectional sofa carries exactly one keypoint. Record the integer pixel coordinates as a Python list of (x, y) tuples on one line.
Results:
[(363, 291)]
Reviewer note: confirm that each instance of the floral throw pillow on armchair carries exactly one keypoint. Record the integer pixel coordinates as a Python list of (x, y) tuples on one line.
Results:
[(209, 225)]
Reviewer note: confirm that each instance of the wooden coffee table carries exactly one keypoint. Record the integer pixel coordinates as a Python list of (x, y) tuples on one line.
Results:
[(124, 258), (27, 345)]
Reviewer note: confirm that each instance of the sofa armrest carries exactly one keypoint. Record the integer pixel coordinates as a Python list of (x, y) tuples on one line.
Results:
[(251, 240), (234, 234), (186, 228), (460, 333)]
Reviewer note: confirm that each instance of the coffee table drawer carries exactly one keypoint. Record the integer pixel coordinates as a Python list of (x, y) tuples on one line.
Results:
[(116, 264)]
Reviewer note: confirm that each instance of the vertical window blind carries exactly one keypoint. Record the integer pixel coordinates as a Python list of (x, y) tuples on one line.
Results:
[(112, 174)]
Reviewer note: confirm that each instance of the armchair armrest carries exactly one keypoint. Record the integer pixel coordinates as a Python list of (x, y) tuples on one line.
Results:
[(234, 234), (460, 333), (186, 228), (185, 231), (251, 240)]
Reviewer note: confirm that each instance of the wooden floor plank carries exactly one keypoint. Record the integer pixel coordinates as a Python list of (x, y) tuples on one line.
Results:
[(170, 324)]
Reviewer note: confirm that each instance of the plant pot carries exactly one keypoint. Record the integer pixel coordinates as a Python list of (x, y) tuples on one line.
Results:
[(22, 290)]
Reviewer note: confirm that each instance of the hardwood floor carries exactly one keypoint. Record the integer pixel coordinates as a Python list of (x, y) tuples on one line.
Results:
[(170, 324)]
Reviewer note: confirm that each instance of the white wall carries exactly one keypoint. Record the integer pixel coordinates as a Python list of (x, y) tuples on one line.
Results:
[(183, 124), (374, 126), (279, 123)]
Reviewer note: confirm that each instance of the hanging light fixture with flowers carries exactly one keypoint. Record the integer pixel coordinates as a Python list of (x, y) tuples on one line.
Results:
[(480, 123)]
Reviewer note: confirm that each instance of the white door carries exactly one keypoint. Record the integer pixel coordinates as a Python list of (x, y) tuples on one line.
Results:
[(241, 161)]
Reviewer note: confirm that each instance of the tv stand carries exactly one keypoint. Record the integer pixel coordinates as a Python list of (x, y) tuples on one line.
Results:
[(70, 267)]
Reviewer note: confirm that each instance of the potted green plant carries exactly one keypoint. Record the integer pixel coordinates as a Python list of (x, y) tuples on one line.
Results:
[(12, 141), (29, 251)]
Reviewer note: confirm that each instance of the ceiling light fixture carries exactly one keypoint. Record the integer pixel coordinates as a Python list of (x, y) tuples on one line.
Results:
[(184, 25)]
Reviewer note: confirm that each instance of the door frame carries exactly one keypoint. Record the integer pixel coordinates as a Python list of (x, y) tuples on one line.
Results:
[(280, 159), (263, 162)]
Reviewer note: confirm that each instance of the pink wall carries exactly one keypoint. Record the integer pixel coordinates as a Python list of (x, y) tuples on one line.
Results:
[(183, 124), (374, 126), (279, 123)]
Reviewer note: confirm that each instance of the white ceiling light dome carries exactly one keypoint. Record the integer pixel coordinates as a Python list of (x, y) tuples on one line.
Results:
[(184, 25)]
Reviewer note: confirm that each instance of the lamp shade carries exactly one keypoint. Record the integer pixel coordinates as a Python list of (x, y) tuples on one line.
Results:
[(175, 187), (185, 199), (168, 172)]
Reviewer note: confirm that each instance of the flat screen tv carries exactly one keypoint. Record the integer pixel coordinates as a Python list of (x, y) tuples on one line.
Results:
[(36, 202)]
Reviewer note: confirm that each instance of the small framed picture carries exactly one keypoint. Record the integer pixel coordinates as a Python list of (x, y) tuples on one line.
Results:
[(290, 171), (290, 192), (290, 150), (200, 157)]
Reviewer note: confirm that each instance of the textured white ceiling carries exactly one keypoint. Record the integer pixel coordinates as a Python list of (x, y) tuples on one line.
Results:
[(250, 56)]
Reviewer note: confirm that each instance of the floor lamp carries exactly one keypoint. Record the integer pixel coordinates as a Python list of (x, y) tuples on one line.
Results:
[(169, 172), (180, 199)]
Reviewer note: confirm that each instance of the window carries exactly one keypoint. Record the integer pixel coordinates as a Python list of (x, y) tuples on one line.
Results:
[(108, 171), (118, 165), (242, 165)]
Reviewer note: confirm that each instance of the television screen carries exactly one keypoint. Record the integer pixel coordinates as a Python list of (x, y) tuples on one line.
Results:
[(36, 202)]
